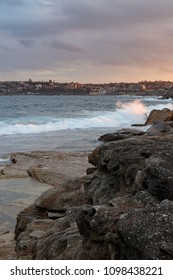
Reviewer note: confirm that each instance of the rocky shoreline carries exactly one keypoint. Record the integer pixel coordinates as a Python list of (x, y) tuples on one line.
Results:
[(118, 204), (18, 190)]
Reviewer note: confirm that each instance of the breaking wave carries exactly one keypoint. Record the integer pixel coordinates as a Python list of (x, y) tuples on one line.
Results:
[(124, 114)]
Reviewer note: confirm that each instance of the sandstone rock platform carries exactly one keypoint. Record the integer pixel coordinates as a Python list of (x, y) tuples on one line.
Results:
[(25, 179)]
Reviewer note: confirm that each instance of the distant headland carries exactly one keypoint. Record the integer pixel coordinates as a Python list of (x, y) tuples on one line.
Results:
[(159, 88)]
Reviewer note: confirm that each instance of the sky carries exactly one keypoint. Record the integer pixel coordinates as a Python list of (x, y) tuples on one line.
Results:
[(86, 41)]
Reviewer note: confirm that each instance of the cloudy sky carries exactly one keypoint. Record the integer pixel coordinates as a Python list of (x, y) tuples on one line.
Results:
[(86, 40)]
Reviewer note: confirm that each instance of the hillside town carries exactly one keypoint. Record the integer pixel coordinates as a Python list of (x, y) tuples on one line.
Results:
[(50, 87)]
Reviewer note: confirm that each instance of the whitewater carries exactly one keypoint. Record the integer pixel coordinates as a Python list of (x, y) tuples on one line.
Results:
[(67, 123)]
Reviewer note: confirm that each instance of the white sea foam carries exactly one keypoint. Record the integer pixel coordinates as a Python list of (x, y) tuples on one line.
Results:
[(4, 161), (124, 114), (132, 109), (160, 107)]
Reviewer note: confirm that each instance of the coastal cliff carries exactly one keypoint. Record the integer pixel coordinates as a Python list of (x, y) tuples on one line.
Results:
[(121, 209)]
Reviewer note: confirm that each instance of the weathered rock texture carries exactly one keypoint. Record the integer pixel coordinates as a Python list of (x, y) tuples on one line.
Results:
[(123, 209)]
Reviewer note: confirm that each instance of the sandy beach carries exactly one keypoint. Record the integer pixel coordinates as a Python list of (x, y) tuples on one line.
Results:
[(18, 190)]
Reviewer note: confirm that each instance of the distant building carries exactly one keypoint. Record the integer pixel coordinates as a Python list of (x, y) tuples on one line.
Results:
[(98, 91), (38, 86)]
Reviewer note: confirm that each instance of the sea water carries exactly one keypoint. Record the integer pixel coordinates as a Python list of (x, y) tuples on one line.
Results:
[(67, 123)]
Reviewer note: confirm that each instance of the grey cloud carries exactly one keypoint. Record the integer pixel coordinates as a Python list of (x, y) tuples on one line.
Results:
[(69, 47), (27, 43), (7, 48), (11, 2), (67, 16), (103, 15), (141, 51)]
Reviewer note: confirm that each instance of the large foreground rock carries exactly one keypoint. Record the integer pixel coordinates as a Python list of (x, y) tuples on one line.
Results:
[(124, 210)]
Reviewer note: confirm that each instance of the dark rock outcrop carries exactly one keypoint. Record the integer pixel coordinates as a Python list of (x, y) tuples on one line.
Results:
[(161, 127), (168, 94), (120, 135), (122, 210), (156, 116)]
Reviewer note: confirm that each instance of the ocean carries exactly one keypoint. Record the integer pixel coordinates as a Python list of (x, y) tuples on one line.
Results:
[(67, 123)]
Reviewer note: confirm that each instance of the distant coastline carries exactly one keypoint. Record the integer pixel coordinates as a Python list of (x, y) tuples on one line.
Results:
[(80, 93), (144, 88)]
